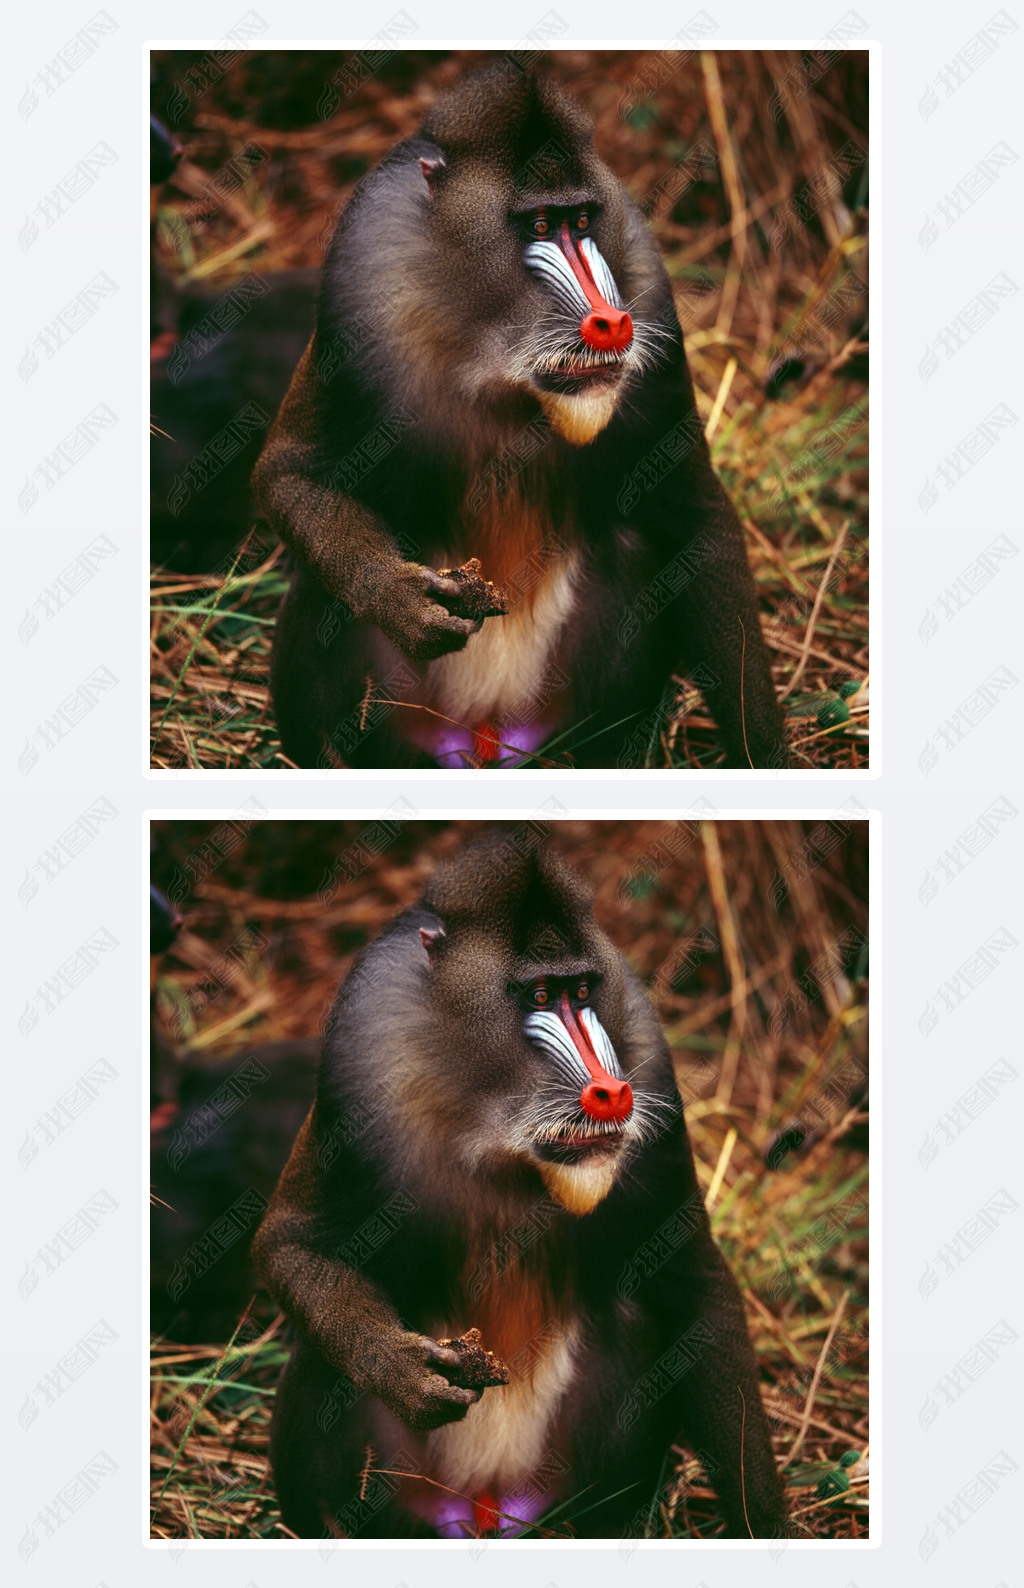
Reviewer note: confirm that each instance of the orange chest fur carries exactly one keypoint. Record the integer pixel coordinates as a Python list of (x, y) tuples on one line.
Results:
[(509, 521), (509, 1295)]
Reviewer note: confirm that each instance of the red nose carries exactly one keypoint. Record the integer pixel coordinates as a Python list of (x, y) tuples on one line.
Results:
[(608, 330), (605, 329), (607, 1099), (603, 1097)]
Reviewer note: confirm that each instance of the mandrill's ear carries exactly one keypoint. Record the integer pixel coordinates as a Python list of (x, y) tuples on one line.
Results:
[(432, 937), (433, 171)]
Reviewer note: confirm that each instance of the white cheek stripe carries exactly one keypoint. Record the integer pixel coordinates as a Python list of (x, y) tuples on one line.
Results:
[(546, 260), (547, 1031), (600, 271), (602, 1043)]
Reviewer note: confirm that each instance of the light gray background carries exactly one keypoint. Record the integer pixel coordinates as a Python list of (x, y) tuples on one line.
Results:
[(947, 1014)]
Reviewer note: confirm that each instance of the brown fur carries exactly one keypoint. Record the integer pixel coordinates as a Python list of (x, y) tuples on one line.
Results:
[(510, 1299), (431, 1217), (423, 429)]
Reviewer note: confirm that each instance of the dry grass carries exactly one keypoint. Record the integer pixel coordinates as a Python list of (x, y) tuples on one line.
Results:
[(759, 207), (210, 1425), (210, 654), (751, 940)]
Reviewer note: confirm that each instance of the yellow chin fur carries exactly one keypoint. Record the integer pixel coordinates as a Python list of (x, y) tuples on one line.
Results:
[(579, 419), (580, 1187)]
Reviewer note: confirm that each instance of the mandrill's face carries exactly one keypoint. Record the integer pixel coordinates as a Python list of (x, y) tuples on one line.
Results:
[(577, 1149), (532, 264), (586, 332), (528, 999)]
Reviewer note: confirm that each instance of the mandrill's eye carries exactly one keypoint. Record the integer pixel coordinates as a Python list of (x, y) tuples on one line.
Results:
[(582, 221), (540, 226), (541, 997), (583, 992)]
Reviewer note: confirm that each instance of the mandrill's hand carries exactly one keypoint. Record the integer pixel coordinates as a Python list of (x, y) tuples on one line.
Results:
[(410, 1384), (408, 609)]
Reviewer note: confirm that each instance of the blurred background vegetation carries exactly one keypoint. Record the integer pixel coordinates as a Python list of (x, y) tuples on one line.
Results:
[(752, 940), (751, 167)]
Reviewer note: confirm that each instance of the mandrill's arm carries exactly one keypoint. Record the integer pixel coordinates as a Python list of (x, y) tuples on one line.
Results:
[(348, 548), (720, 625), (722, 1413), (348, 1319), (689, 520), (720, 1402)]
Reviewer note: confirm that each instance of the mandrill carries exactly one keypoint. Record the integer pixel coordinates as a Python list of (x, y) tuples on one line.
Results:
[(497, 376), (497, 1145)]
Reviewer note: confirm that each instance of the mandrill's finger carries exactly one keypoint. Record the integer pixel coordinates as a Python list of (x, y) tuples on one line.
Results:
[(454, 1394), (440, 1354), (439, 618), (438, 586)]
